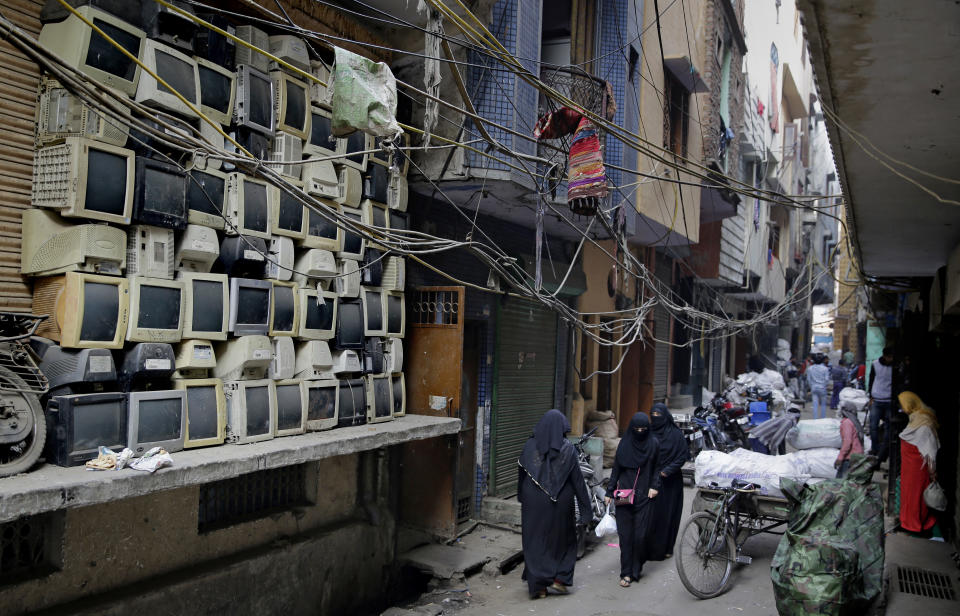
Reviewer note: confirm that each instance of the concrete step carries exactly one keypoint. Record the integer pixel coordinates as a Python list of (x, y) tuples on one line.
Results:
[(500, 511)]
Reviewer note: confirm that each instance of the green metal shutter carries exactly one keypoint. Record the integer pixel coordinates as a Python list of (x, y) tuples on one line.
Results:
[(523, 387)]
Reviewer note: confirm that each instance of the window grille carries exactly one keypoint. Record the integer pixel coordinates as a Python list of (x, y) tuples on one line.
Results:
[(251, 496), (29, 547)]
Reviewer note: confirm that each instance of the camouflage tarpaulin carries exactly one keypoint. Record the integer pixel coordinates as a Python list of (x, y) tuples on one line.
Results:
[(830, 560)]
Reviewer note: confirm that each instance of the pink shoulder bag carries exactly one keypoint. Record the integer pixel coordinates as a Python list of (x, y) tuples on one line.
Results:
[(625, 497)]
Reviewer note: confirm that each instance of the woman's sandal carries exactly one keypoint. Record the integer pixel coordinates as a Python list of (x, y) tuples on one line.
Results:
[(540, 595), (625, 582), (560, 588)]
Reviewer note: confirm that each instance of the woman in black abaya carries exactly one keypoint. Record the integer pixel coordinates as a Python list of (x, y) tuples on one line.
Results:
[(635, 467), (668, 506), (550, 478)]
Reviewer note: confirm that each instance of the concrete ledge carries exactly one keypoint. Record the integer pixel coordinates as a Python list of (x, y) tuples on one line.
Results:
[(50, 488)]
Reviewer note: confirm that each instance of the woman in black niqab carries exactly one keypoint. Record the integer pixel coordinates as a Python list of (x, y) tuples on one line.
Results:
[(668, 506), (549, 480), (635, 467)]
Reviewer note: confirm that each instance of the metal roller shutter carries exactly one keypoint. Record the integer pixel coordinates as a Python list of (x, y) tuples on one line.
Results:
[(19, 78), (523, 386), (664, 273)]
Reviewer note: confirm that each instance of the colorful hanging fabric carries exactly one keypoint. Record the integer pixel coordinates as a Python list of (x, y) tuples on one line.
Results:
[(587, 183), (557, 124)]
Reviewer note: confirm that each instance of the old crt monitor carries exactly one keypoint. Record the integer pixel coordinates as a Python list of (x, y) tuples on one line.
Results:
[(349, 186), (86, 310), (196, 250), (322, 404), (290, 49), (374, 323), (249, 306), (156, 310), (291, 407), (321, 143), (320, 94), (77, 371), (313, 360), (358, 142), (285, 150), (87, 51), (352, 402), (347, 361), (373, 357), (218, 90), (51, 245), (148, 365), (61, 114), (375, 183), (79, 424), (289, 216), (284, 309), (61, 180), (248, 205), (398, 386), (318, 314), (168, 26), (206, 310), (315, 266), (206, 412), (243, 358), (161, 194), (206, 193), (399, 221), (150, 251), (353, 242), (175, 68), (371, 272), (253, 108), (394, 274), (195, 359), (213, 46), (291, 104), (396, 314), (322, 229), (393, 355), (350, 324), (348, 284), (156, 419), (251, 410), (398, 193), (320, 179), (284, 359), (280, 259), (379, 398), (242, 257)]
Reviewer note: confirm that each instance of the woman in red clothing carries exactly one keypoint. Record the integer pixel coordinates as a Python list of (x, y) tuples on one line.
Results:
[(918, 462), (851, 434)]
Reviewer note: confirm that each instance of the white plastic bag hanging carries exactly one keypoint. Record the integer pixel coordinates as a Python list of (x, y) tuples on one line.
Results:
[(935, 497), (607, 525)]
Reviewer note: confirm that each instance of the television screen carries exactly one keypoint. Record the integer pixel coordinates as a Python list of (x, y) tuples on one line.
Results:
[(321, 402), (356, 142), (261, 100), (207, 306), (397, 386), (283, 308), (107, 182), (205, 193), (102, 55), (296, 111), (97, 424), (163, 192), (394, 314), (215, 89), (255, 208), (320, 226), (375, 183), (202, 412), (379, 216), (321, 134), (289, 413), (176, 72), (398, 220), (352, 242), (319, 317), (374, 310), (159, 420), (290, 215), (350, 325), (101, 304), (352, 401), (253, 305), (382, 397), (258, 410), (159, 307)]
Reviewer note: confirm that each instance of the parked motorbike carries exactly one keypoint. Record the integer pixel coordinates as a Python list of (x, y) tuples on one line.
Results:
[(595, 488), (724, 424), (23, 429)]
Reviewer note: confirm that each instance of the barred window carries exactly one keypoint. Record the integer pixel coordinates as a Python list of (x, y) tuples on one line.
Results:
[(30, 547), (252, 496)]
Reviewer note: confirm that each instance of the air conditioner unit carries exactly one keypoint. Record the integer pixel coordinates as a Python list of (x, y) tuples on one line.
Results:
[(150, 252), (397, 193), (286, 148), (320, 179), (394, 274), (320, 95), (259, 39), (350, 186)]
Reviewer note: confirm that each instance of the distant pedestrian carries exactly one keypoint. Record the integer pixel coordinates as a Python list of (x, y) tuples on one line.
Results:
[(881, 394), (851, 434), (549, 480), (818, 375), (919, 444), (635, 468), (838, 374), (668, 505)]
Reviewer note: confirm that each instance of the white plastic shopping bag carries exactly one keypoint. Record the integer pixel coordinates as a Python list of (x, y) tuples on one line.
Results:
[(607, 525)]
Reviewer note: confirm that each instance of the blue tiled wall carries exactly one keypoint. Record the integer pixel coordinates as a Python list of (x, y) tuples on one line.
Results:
[(613, 68)]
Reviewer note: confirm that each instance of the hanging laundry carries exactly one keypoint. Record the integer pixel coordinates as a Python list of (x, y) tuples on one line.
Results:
[(364, 96), (587, 179)]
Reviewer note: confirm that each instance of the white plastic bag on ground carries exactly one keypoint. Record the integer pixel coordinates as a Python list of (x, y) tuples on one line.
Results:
[(811, 433), (765, 471), (607, 525), (771, 379), (816, 462)]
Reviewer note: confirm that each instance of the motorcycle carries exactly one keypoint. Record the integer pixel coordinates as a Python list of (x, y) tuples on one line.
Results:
[(595, 488), (23, 428)]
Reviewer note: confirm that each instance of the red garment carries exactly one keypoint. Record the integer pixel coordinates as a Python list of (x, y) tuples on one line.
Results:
[(850, 440), (861, 371), (914, 479)]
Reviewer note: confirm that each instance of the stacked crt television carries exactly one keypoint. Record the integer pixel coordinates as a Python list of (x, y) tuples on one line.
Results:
[(239, 305)]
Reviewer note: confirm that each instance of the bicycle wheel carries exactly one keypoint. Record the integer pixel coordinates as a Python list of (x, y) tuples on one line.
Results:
[(704, 560)]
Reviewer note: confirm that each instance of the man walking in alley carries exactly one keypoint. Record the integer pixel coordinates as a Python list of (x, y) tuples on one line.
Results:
[(881, 390), (838, 374), (818, 375)]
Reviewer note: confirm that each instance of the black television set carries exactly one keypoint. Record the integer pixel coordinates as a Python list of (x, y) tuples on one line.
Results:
[(373, 360), (375, 183), (357, 142), (213, 46), (249, 307), (371, 272), (146, 145), (77, 371), (160, 198), (252, 141), (78, 424), (290, 213), (169, 27), (349, 325), (146, 366), (399, 221), (291, 407), (352, 242), (242, 257), (352, 402)]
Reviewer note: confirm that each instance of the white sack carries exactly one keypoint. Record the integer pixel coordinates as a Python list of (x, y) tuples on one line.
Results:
[(811, 433), (816, 462), (855, 397), (717, 467)]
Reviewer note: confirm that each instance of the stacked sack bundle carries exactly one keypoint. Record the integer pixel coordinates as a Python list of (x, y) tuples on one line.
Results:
[(606, 424)]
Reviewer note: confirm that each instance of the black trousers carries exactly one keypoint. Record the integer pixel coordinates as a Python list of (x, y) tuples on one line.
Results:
[(633, 523)]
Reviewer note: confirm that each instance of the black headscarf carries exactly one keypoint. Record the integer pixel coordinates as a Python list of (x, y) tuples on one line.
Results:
[(673, 445), (548, 457), (636, 449)]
